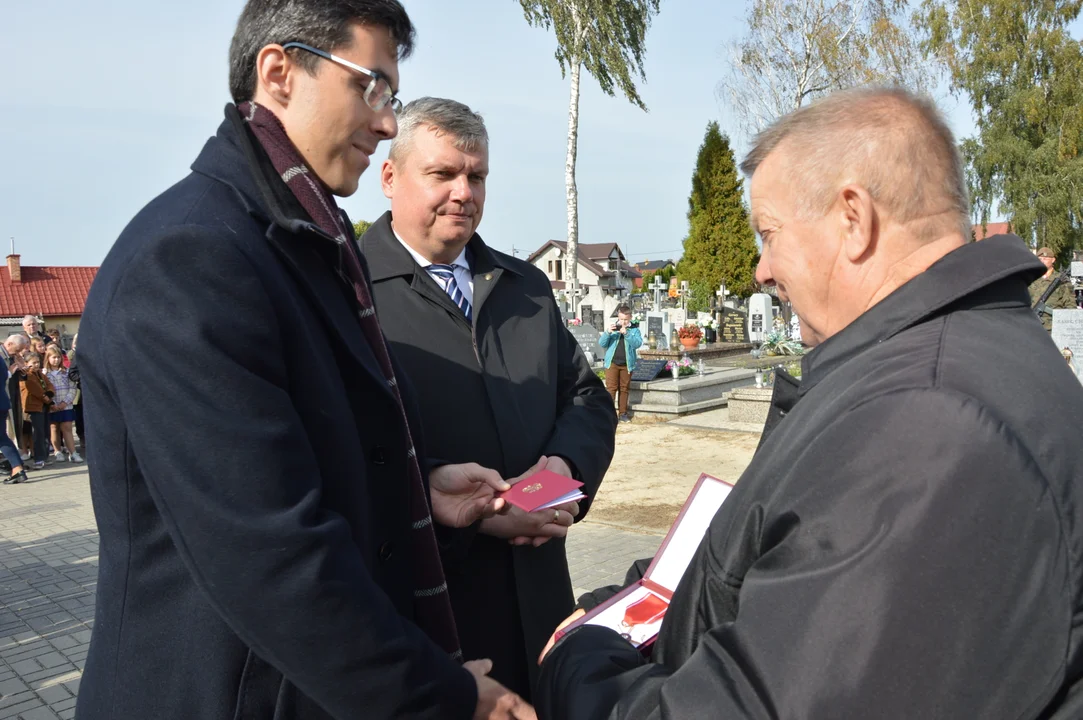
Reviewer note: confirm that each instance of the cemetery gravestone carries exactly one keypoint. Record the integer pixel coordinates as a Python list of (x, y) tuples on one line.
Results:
[(1068, 333), (597, 319), (734, 326), (647, 370), (760, 317), (655, 324), (585, 312), (587, 337)]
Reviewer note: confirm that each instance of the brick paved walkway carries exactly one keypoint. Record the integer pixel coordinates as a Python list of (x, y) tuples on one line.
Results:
[(48, 572), (48, 569)]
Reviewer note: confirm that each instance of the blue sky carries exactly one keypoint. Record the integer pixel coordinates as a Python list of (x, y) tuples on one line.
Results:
[(113, 100)]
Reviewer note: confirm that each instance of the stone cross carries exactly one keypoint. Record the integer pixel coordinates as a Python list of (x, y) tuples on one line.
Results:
[(574, 293), (658, 286), (722, 294), (685, 293)]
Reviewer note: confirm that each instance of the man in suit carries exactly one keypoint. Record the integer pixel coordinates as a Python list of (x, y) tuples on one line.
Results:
[(266, 530), (32, 328), (501, 382)]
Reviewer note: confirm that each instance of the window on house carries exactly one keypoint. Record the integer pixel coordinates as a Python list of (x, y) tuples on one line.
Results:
[(560, 270)]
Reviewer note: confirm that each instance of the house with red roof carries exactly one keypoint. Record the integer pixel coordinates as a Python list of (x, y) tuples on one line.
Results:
[(55, 295), (990, 229)]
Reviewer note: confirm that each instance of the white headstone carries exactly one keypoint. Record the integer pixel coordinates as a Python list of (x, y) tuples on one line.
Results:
[(795, 327), (1068, 333), (610, 305), (659, 323), (677, 317), (760, 317)]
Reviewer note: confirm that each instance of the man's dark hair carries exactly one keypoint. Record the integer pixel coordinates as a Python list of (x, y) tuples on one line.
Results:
[(624, 310), (324, 24)]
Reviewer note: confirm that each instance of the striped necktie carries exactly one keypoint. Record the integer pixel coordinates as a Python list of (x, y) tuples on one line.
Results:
[(445, 275)]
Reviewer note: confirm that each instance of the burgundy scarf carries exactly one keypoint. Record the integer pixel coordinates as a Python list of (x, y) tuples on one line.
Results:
[(432, 606)]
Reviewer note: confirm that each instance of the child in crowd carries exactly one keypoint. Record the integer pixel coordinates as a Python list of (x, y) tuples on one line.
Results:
[(62, 413)]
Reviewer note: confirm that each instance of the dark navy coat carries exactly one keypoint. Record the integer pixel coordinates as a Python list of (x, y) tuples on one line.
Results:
[(248, 471)]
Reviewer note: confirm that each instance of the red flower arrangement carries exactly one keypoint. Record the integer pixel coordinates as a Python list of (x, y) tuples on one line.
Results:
[(689, 331)]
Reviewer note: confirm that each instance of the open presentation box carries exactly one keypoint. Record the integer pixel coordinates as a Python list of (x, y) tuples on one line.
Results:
[(637, 611)]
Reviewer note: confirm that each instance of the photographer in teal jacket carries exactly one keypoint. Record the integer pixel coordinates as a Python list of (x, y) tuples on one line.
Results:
[(621, 341)]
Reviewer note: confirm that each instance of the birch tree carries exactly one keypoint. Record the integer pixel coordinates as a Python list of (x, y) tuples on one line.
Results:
[(607, 39), (798, 50), (1021, 67)]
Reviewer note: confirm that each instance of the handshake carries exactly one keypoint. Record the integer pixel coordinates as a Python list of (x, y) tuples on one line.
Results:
[(466, 493)]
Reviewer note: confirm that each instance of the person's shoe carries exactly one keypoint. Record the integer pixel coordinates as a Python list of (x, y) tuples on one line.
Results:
[(625, 418), (76, 457), (60, 456), (49, 460), (24, 455), (19, 477), (38, 465)]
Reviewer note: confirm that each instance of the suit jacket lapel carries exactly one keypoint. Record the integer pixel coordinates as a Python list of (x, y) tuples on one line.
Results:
[(485, 280), (313, 260), (311, 255), (389, 259)]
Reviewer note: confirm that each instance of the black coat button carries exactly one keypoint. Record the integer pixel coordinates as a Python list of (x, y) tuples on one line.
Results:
[(386, 550), (379, 455)]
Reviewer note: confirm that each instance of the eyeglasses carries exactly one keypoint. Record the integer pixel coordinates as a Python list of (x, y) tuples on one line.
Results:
[(378, 93)]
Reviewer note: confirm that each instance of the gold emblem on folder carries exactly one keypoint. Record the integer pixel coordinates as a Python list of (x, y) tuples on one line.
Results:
[(532, 488)]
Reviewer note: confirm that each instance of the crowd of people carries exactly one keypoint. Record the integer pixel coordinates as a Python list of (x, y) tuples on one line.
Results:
[(41, 402), (301, 511)]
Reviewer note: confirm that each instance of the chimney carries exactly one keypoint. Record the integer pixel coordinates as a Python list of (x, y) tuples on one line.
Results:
[(14, 270)]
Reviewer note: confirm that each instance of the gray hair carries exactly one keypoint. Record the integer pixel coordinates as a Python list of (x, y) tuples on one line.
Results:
[(894, 143), (18, 340), (31, 318), (466, 127), (323, 24)]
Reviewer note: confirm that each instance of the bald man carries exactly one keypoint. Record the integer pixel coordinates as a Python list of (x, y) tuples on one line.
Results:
[(906, 541)]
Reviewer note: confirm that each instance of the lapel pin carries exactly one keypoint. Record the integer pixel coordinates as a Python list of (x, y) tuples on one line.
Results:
[(488, 276)]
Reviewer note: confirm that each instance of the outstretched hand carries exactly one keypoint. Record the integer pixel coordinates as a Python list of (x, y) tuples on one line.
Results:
[(465, 493), (537, 528)]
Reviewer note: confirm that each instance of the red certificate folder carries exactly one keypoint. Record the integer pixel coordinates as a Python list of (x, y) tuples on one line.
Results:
[(543, 490), (637, 611)]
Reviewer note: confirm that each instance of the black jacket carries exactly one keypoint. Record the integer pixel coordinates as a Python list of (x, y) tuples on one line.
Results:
[(906, 543), (248, 471), (502, 393)]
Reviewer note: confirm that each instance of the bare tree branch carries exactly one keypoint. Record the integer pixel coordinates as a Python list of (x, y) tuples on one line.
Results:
[(796, 50)]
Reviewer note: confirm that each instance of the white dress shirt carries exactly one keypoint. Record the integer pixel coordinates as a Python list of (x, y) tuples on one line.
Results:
[(464, 278)]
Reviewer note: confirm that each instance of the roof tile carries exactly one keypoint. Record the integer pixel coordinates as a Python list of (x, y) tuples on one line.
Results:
[(46, 290)]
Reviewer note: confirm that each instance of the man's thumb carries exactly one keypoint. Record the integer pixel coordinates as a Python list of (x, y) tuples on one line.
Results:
[(479, 668)]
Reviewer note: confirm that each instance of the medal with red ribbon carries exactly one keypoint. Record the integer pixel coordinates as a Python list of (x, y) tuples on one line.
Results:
[(644, 611)]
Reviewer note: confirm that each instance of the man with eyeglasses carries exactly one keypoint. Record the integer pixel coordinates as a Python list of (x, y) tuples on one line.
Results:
[(267, 544)]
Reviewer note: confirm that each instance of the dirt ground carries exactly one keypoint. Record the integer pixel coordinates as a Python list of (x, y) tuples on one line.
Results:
[(655, 467)]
